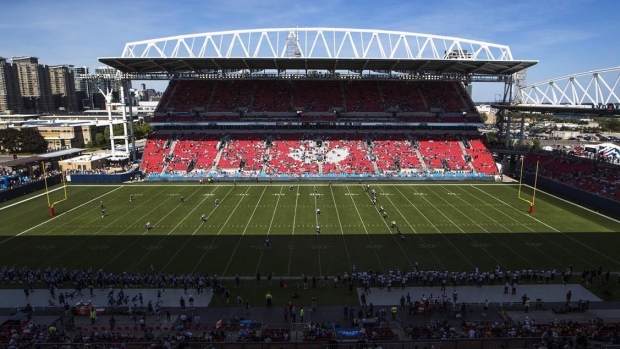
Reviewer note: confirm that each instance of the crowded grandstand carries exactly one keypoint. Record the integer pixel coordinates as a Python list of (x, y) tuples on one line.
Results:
[(305, 150)]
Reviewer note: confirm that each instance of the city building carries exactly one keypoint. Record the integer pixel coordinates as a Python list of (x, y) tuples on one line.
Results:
[(10, 96), (61, 134), (62, 83), (34, 85)]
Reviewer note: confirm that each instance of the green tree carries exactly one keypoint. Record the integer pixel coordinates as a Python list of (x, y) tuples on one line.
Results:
[(536, 144), (484, 117), (31, 141), (142, 130), (9, 140), (100, 139), (612, 125)]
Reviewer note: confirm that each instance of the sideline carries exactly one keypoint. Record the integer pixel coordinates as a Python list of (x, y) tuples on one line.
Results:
[(30, 198), (59, 215)]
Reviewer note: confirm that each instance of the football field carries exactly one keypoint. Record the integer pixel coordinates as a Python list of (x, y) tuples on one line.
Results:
[(455, 227)]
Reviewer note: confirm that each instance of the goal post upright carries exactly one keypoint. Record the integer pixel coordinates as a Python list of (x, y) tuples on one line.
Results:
[(51, 204), (535, 187), (531, 210)]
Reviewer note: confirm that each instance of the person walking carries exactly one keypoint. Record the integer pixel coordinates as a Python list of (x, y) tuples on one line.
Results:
[(527, 305), (269, 299), (301, 315)]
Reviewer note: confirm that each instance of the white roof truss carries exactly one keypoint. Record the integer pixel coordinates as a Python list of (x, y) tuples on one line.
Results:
[(338, 43), (596, 87)]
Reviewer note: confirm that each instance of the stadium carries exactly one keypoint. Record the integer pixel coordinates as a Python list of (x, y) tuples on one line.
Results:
[(335, 154)]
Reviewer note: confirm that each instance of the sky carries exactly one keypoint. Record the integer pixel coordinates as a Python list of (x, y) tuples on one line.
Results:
[(565, 36)]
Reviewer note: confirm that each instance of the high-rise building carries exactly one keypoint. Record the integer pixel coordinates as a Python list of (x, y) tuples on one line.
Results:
[(62, 83), (80, 84), (34, 85), (10, 96), (83, 86)]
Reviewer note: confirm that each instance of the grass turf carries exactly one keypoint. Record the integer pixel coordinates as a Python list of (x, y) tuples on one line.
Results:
[(447, 227)]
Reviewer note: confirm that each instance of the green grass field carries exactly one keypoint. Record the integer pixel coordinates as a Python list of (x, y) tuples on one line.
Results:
[(447, 227)]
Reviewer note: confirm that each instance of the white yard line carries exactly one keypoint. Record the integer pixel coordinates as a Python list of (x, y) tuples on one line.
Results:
[(318, 236), (346, 248), (412, 228), (148, 253), (232, 256), (547, 225), (221, 229), (142, 219), (441, 197), (124, 230), (436, 229), (290, 254), (568, 202), (87, 237), (507, 228), (196, 230), (384, 220), (366, 230), (269, 230), (58, 216), (28, 199)]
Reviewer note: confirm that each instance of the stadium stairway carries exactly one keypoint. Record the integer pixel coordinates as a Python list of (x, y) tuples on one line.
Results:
[(471, 166), (171, 154), (417, 153)]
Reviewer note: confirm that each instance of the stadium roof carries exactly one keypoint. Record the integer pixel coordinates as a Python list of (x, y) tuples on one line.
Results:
[(447, 66), (31, 160), (330, 49)]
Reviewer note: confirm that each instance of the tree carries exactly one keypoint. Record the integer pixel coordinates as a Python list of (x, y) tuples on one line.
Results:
[(142, 130), (100, 139), (484, 117), (536, 144), (9, 140), (612, 125), (31, 141)]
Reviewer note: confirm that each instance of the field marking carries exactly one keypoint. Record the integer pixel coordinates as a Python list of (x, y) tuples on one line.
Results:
[(557, 231), (73, 218), (568, 202), (200, 226), (385, 224), (346, 248), (57, 216), (525, 225), (318, 236), (244, 230), (307, 183), (87, 237), (290, 253), (455, 225), (220, 231), (269, 230), (412, 228), (366, 230), (476, 224), (176, 226), (154, 225), (28, 199), (435, 227)]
